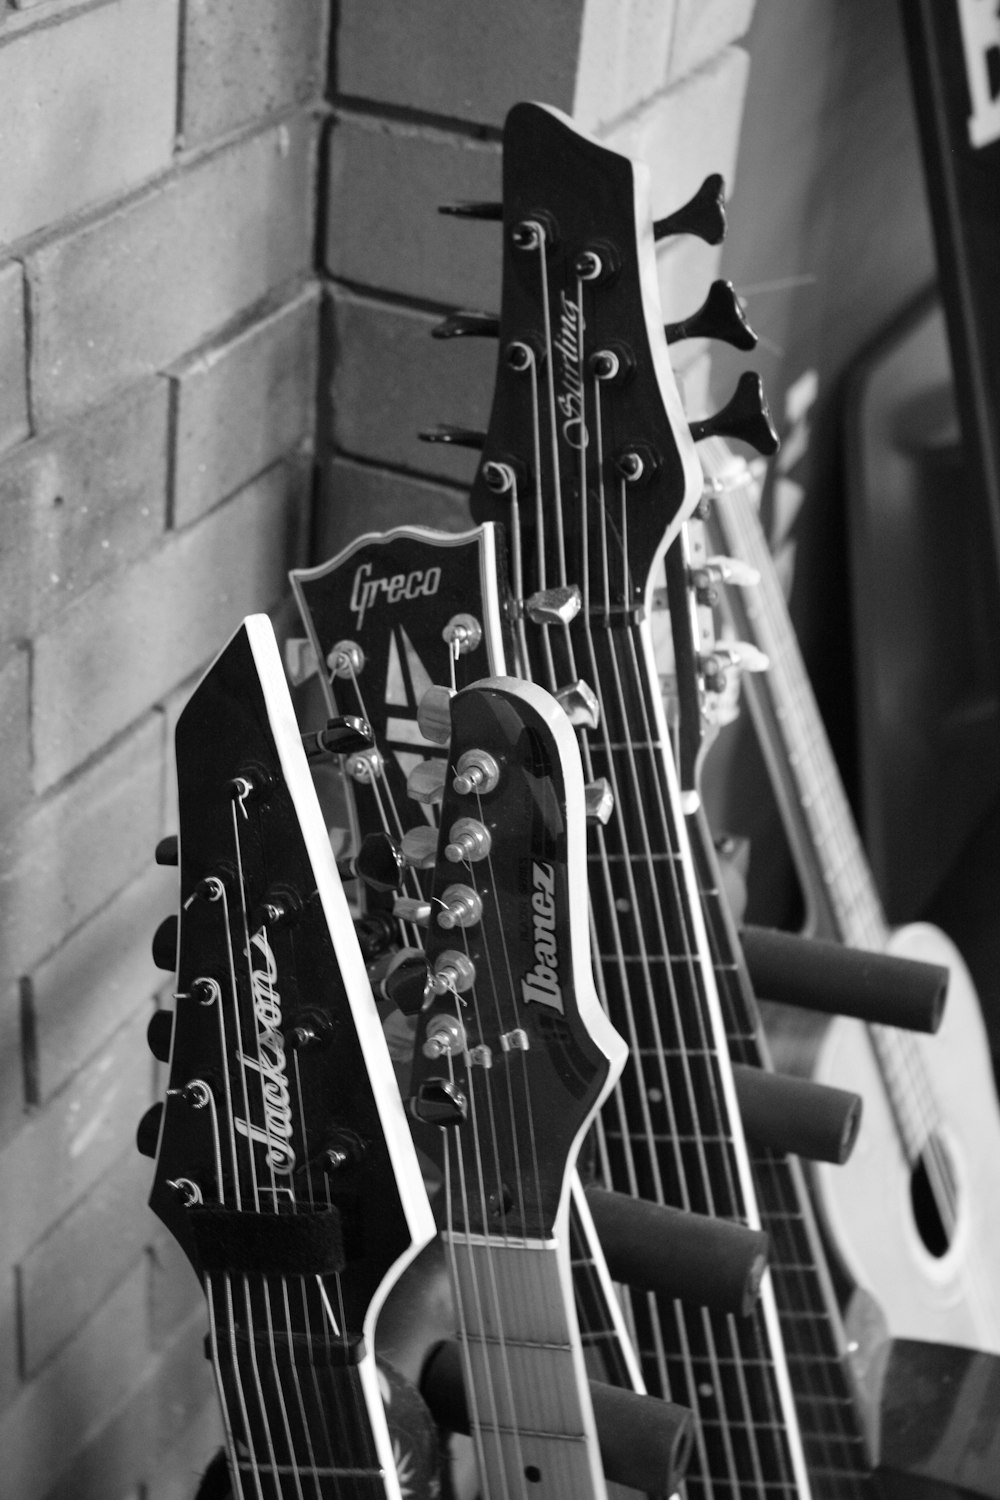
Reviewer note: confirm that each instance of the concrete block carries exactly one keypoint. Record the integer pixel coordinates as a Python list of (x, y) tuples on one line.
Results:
[(623, 58), (172, 611), (242, 404), (127, 295), (91, 105), (385, 181), (356, 498), (79, 504), (14, 733), (74, 849), (391, 380), (174, 1289), (467, 62), (244, 59), (13, 358), (179, 1470), (100, 976), (13, 1105), (70, 1144), (79, 1262), (79, 1391)]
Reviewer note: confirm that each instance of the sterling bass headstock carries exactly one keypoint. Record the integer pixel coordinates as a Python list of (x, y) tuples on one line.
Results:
[(284, 1162)]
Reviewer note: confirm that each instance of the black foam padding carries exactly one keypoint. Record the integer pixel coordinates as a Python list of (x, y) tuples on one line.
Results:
[(817, 975), (701, 1260), (645, 1443), (299, 1244), (781, 1113)]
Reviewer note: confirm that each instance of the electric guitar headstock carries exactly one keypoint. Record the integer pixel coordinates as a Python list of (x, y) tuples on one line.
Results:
[(284, 1162)]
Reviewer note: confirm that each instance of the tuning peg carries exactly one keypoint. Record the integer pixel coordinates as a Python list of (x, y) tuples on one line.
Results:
[(165, 945), (434, 715), (411, 909), (720, 316), (347, 734), (780, 1113), (147, 1135), (875, 987), (700, 1259), (599, 801), (745, 416), (472, 210), (703, 215), (740, 654), (425, 782), (645, 1443), (160, 1034), (381, 861), (376, 933), (556, 606), (581, 704), (460, 906), (166, 850), (407, 982), (729, 570), (439, 1102), (455, 437), (454, 973), (300, 660), (478, 325)]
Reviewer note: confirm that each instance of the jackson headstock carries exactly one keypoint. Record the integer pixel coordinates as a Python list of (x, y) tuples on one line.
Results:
[(284, 1162)]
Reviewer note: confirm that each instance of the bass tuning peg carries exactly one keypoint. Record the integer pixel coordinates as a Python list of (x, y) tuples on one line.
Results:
[(473, 210), (164, 945), (160, 1034), (745, 416), (720, 317), (166, 850), (147, 1135), (704, 215), (455, 437), (345, 734), (480, 325)]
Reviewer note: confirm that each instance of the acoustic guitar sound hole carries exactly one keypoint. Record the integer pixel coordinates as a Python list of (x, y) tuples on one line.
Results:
[(933, 1198)]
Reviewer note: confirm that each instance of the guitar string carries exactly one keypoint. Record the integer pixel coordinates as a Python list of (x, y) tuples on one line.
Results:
[(541, 547), (899, 1055)]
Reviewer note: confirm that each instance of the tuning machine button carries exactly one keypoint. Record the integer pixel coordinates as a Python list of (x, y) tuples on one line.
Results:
[(745, 416), (439, 1102), (166, 852), (376, 932), (413, 910), (345, 734), (434, 715), (407, 984), (476, 771), (454, 437), (461, 906), (728, 570), (454, 973), (473, 210), (599, 801), (478, 325), (147, 1135), (723, 657), (580, 704), (160, 1034), (382, 860), (704, 215), (164, 945), (720, 316), (425, 782), (468, 841), (556, 606)]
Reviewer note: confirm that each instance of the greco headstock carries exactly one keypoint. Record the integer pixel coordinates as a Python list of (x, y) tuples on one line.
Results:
[(513, 1052), (284, 1162)]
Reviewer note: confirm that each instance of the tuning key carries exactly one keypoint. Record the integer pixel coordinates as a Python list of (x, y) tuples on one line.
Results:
[(599, 801), (479, 325), (704, 215), (739, 654), (455, 437), (344, 735), (407, 982), (728, 570), (164, 945), (472, 210), (434, 715), (440, 1102), (411, 909), (720, 316), (581, 704), (556, 606), (425, 782), (147, 1135), (160, 1034), (745, 416), (382, 860), (166, 850)]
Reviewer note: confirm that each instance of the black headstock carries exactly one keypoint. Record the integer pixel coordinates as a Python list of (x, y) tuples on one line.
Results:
[(514, 1053)]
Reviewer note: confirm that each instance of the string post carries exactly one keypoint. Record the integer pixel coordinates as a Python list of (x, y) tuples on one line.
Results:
[(534, 233), (463, 633), (519, 356), (365, 766), (187, 1191), (454, 972), (204, 990), (498, 477), (476, 771), (599, 262), (468, 841), (461, 907), (346, 659), (445, 1037), (637, 464), (196, 1093)]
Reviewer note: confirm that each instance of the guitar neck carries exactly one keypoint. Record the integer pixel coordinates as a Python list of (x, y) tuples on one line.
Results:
[(841, 898)]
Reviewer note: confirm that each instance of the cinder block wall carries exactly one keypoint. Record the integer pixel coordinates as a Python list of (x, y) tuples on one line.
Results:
[(210, 210)]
